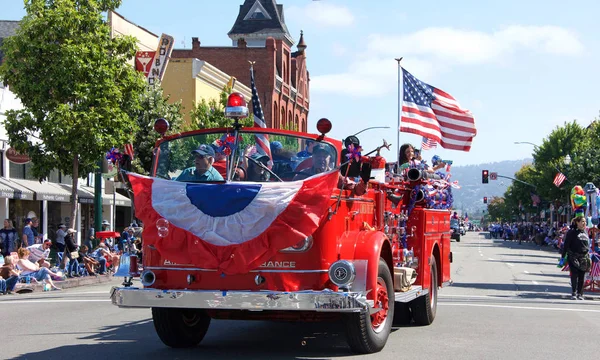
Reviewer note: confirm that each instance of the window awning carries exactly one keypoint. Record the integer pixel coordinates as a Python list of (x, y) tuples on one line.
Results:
[(107, 199), (45, 191), (83, 196), (12, 190)]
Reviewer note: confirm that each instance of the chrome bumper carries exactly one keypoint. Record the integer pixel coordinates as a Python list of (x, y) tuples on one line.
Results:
[(322, 301)]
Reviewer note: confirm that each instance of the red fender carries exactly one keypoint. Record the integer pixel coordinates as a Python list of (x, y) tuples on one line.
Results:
[(365, 245)]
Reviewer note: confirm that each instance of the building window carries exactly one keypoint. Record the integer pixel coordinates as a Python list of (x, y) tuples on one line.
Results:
[(275, 124), (282, 120)]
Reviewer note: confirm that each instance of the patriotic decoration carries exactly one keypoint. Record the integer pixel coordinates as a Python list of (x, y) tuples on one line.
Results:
[(232, 227), (354, 152), (466, 217), (114, 155), (535, 198), (262, 140), (128, 150), (559, 179), (427, 144), (435, 114)]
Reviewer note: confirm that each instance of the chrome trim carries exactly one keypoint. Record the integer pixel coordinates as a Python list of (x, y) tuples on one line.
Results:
[(265, 270), (236, 111), (308, 243), (353, 199), (319, 301), (410, 295), (447, 283)]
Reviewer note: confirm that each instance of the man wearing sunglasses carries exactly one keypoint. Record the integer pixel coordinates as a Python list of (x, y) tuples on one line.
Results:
[(202, 170)]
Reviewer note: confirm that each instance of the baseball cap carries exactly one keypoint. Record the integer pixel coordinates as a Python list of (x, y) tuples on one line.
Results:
[(28, 220), (320, 148), (71, 231), (260, 157), (62, 226), (204, 150), (276, 145), (105, 222)]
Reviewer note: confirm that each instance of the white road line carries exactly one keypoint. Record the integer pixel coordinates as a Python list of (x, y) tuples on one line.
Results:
[(534, 282), (24, 301), (519, 307)]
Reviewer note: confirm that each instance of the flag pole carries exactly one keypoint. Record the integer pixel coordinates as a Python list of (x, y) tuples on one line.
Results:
[(399, 110)]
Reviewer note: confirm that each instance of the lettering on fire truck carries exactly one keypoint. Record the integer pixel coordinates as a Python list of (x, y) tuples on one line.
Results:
[(279, 264)]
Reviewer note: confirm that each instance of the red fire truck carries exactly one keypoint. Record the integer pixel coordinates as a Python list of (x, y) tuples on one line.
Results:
[(292, 237)]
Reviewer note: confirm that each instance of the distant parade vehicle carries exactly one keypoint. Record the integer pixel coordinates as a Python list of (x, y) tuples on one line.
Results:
[(302, 228)]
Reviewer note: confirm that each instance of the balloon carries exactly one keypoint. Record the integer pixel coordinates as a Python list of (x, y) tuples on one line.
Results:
[(578, 200)]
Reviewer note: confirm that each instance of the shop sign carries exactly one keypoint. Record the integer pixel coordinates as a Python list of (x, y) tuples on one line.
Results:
[(161, 58), (14, 156), (85, 200), (53, 197)]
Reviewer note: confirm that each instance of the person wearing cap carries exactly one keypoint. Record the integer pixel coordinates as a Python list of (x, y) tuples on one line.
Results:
[(278, 152), (204, 157), (220, 163), (321, 160), (60, 237), (27, 238), (38, 253), (256, 172)]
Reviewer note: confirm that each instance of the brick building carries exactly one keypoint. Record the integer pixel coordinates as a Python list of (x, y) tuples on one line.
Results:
[(259, 34)]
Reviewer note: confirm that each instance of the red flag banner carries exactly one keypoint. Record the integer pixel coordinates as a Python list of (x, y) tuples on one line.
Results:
[(435, 114)]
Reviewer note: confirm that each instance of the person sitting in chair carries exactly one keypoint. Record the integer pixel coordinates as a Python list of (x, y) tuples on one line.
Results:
[(321, 160), (204, 157), (255, 172)]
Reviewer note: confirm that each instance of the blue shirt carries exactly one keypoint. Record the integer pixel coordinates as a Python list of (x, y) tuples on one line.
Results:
[(190, 174), (27, 231)]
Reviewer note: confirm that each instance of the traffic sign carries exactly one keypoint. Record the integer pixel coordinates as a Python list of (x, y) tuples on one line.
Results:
[(493, 176)]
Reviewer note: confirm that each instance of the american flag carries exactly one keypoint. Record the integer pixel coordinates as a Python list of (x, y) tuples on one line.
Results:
[(559, 178), (128, 149), (262, 140), (427, 144), (466, 217), (436, 115)]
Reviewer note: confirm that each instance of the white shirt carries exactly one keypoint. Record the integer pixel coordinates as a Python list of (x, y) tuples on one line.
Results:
[(37, 252)]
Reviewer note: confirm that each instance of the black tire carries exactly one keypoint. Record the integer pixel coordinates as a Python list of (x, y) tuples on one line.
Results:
[(363, 337), (180, 328), (458, 238), (424, 307), (402, 314)]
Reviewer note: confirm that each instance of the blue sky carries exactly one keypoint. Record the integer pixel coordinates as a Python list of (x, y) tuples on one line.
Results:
[(521, 67)]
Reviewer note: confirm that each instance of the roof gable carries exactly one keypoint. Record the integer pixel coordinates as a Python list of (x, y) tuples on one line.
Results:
[(260, 17)]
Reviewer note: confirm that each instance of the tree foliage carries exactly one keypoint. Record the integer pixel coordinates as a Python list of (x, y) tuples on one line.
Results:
[(210, 113), (75, 84), (153, 105)]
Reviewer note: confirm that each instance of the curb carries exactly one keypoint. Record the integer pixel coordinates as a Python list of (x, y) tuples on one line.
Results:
[(66, 284)]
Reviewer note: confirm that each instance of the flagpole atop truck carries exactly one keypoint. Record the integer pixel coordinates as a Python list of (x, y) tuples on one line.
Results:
[(399, 109)]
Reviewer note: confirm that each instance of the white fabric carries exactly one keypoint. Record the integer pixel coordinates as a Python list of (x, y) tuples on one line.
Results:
[(37, 251), (169, 199)]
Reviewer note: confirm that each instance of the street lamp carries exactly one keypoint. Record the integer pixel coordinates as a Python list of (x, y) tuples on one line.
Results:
[(526, 142)]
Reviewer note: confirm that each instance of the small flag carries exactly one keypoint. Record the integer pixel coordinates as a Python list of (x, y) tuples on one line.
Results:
[(262, 140), (128, 150), (427, 144), (559, 178)]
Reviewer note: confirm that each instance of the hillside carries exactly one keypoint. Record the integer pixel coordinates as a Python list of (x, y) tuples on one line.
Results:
[(470, 196)]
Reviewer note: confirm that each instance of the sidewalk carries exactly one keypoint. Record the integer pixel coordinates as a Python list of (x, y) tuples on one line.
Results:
[(66, 284)]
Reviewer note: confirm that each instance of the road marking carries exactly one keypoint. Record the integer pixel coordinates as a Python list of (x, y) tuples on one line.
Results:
[(509, 264), (491, 259), (24, 301), (534, 282), (526, 272), (519, 307)]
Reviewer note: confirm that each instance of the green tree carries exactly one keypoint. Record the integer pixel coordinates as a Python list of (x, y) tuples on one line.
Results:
[(75, 84), (210, 113), (569, 139), (153, 105)]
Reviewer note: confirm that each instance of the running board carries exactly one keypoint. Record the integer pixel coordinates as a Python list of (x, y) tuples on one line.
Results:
[(410, 295)]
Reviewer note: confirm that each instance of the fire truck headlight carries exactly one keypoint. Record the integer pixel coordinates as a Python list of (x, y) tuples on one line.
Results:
[(342, 273)]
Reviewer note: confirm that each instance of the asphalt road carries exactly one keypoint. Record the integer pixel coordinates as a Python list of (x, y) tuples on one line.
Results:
[(508, 301)]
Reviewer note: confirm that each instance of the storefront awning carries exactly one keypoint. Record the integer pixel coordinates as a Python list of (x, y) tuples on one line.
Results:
[(107, 199), (83, 196), (46, 190), (12, 190)]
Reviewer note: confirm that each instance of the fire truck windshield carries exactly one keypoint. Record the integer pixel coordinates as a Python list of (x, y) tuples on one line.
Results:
[(258, 158)]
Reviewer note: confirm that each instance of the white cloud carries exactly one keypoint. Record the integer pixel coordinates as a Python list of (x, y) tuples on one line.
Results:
[(338, 49), (322, 14), (432, 50), (475, 47)]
